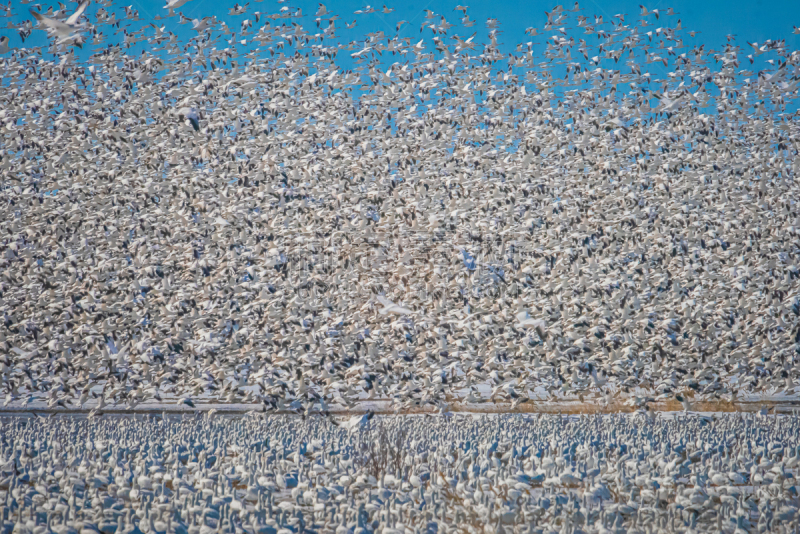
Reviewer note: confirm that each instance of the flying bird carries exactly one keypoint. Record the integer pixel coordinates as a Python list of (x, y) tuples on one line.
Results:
[(62, 30)]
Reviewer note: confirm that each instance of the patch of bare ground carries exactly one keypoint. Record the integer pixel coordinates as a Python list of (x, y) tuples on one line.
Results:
[(587, 406)]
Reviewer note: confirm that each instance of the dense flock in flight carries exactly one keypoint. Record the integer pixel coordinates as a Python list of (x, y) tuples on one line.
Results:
[(266, 215), (400, 475)]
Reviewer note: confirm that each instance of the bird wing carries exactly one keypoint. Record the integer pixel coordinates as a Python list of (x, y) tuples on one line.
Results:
[(386, 302), (534, 323), (78, 12), (352, 422), (53, 24)]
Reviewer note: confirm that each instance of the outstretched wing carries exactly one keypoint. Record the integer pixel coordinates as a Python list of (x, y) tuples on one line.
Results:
[(53, 24), (78, 12), (386, 302)]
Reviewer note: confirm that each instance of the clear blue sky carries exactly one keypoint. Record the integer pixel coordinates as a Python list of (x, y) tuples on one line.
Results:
[(755, 20)]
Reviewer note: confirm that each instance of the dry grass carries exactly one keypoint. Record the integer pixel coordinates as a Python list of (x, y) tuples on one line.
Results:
[(472, 522), (378, 454), (570, 406), (582, 405)]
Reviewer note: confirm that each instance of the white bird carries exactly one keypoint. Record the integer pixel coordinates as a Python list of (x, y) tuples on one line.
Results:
[(687, 407), (524, 320), (190, 114), (358, 422), (174, 4), (201, 25), (63, 30), (391, 307)]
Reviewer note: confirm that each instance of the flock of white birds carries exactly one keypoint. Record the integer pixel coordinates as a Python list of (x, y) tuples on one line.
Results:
[(400, 475), (265, 216), (239, 219)]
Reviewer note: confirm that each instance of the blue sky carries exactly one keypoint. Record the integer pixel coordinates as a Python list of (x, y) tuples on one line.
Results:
[(753, 21)]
